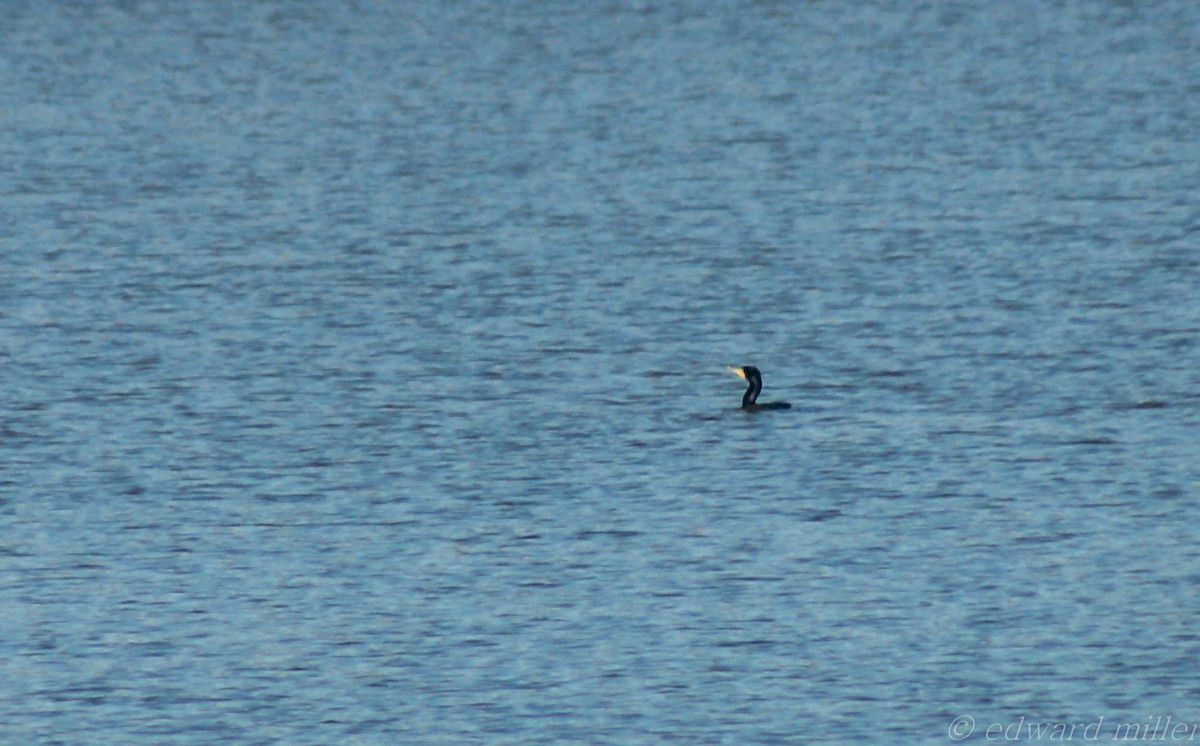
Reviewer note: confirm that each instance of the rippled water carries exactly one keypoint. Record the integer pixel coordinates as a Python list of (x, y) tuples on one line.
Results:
[(363, 370)]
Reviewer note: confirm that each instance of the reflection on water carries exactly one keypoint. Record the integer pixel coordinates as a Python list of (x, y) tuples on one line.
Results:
[(364, 371)]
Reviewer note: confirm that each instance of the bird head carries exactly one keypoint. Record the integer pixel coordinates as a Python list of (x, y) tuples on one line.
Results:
[(745, 372)]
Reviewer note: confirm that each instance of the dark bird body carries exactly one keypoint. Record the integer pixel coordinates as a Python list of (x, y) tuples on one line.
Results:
[(753, 377)]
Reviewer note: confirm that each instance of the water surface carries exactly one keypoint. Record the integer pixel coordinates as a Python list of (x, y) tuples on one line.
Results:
[(364, 370)]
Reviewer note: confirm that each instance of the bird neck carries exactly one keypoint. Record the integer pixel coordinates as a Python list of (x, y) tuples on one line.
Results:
[(751, 394)]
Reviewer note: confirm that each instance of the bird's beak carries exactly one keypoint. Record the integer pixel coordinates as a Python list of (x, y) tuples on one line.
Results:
[(737, 371)]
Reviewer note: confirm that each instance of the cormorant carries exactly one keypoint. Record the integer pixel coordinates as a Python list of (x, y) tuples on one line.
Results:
[(752, 376)]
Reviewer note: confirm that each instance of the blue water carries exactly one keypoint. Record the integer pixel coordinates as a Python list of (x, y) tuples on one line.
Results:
[(363, 370)]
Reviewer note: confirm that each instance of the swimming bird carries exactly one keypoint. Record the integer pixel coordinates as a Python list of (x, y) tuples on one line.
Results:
[(753, 377)]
